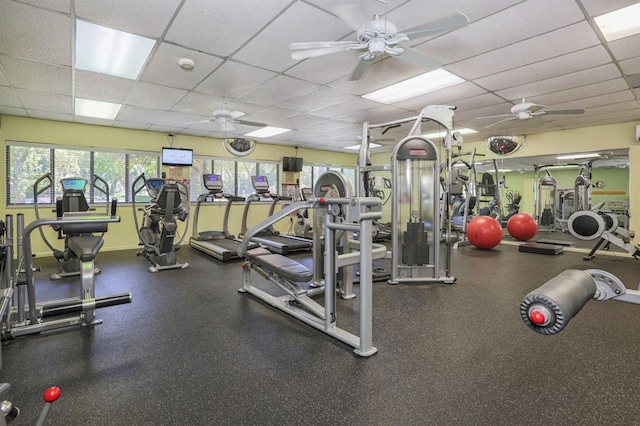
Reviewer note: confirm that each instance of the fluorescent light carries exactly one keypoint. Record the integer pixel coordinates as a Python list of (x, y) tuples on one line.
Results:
[(416, 86), (96, 109), (266, 132), (443, 133), (620, 23), (577, 156), (357, 147), (108, 51)]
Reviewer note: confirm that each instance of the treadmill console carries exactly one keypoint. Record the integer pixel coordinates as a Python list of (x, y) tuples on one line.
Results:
[(306, 193), (260, 184), (213, 183), (73, 184)]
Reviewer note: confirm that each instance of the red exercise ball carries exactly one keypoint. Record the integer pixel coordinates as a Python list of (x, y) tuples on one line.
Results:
[(484, 232), (522, 226)]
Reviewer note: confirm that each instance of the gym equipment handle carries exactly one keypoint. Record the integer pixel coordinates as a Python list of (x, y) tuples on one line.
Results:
[(549, 308)]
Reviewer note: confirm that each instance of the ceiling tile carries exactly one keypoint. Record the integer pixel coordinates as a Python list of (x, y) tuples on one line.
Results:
[(582, 92), (276, 91), (446, 96), (233, 79), (36, 75), (595, 101), (200, 24), (102, 87), (355, 104), (545, 46), (272, 114), (571, 62), (48, 115), (550, 85), (23, 33), (299, 122), (599, 7), (163, 67), (502, 29), (179, 119), (131, 125), (9, 98), (299, 23), (629, 66), (140, 115), (625, 48), (45, 101), (316, 99), (93, 121), (147, 18), (63, 6), (20, 112), (155, 96), (3, 79)]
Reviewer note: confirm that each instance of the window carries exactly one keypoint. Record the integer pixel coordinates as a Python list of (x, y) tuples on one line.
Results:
[(25, 164), (226, 169), (109, 166)]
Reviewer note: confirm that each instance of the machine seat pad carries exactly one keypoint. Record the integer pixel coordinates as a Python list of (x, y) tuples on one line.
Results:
[(86, 247), (281, 265)]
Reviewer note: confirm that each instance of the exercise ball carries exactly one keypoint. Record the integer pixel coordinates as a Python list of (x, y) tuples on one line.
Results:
[(484, 232), (522, 226)]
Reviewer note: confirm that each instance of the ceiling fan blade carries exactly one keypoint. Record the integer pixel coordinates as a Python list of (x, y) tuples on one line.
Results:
[(350, 13), (419, 59), (318, 44), (314, 53), (501, 121), (235, 114), (251, 123), (493, 116), (448, 23), (563, 111), (359, 70)]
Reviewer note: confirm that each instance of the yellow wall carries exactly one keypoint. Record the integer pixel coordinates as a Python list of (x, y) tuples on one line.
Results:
[(122, 235), (614, 136)]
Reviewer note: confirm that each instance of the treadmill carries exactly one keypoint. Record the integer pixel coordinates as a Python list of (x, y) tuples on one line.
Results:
[(220, 244), (269, 237)]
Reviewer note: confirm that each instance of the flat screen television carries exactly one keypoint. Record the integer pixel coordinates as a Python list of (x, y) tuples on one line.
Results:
[(291, 164), (177, 157)]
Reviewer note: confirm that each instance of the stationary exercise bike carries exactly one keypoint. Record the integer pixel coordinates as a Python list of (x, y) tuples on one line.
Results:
[(73, 201), (168, 203)]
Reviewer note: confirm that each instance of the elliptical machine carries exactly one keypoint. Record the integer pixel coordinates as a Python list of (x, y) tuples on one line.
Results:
[(73, 201), (168, 203)]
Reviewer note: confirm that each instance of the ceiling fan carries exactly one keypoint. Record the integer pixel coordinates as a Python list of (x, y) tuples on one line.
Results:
[(227, 118), (526, 110), (378, 37)]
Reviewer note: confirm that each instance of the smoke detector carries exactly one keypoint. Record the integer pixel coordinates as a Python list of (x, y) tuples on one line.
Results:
[(186, 64)]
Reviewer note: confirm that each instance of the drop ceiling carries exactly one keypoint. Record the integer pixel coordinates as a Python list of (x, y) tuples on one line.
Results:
[(549, 52)]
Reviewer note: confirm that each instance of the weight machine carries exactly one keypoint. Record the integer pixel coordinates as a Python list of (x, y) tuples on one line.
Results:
[(341, 216), (418, 226), (549, 308), (546, 196), (168, 203)]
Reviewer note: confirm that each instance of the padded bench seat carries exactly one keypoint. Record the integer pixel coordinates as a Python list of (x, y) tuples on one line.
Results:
[(86, 247), (280, 265)]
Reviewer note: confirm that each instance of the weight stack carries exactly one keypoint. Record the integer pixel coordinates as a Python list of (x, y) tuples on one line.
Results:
[(415, 249)]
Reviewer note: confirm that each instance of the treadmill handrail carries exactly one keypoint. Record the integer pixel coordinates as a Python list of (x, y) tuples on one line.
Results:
[(255, 229)]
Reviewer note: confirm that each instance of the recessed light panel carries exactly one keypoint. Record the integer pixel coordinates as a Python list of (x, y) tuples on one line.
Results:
[(357, 147), (96, 109), (108, 51), (416, 86), (620, 23), (267, 131)]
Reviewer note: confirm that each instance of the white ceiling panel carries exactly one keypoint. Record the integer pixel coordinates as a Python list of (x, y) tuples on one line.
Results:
[(163, 68), (277, 90), (45, 101), (155, 96), (547, 51), (102, 87), (551, 85), (560, 42), (300, 23), (37, 76), (502, 29), (143, 17), (9, 97), (233, 79), (316, 99), (221, 27), (582, 92), (23, 33), (134, 114), (571, 62)]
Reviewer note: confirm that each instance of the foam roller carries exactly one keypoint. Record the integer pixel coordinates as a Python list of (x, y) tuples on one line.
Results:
[(548, 309)]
